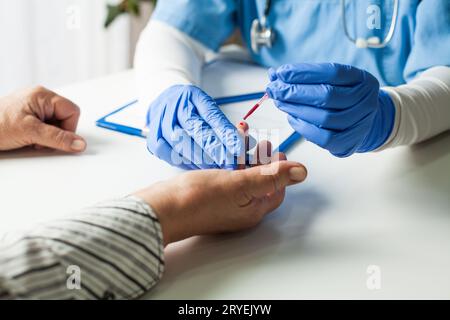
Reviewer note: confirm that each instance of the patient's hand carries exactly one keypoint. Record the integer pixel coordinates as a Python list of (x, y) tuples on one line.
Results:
[(39, 117), (217, 201)]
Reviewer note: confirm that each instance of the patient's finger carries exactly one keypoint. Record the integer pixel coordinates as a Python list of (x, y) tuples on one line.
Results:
[(263, 153), (242, 128), (279, 156), (251, 142), (265, 184)]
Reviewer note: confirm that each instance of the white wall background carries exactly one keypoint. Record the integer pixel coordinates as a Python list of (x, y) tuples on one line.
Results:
[(55, 42)]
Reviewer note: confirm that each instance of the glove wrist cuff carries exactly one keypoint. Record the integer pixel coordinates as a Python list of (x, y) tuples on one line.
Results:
[(383, 124)]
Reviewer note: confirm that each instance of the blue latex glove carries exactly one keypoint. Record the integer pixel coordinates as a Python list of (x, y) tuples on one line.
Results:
[(338, 107), (188, 130)]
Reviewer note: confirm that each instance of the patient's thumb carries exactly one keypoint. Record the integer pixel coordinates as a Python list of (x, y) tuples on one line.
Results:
[(273, 177), (56, 138)]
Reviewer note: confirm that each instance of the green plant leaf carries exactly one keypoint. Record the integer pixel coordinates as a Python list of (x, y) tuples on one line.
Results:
[(133, 7), (113, 13), (126, 6)]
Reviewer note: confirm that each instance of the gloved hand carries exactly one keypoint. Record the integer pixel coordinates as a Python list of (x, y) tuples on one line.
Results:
[(338, 107), (188, 130)]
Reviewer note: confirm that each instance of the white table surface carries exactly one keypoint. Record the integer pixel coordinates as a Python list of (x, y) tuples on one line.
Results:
[(390, 209)]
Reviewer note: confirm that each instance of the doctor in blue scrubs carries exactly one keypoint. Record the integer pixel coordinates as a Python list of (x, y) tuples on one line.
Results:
[(351, 76)]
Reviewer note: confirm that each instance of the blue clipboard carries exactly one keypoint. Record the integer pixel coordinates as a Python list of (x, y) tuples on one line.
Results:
[(103, 123)]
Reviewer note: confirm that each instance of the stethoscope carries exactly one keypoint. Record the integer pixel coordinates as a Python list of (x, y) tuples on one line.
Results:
[(262, 35)]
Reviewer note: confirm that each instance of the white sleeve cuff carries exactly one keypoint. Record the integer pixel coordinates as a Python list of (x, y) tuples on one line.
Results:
[(422, 107)]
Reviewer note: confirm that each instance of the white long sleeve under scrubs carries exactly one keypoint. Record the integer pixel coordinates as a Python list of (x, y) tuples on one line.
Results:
[(413, 69)]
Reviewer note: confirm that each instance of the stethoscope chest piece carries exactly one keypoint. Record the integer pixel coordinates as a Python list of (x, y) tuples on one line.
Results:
[(261, 36)]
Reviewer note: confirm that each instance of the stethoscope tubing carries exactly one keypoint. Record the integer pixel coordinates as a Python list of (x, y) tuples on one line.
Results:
[(388, 37), (368, 44)]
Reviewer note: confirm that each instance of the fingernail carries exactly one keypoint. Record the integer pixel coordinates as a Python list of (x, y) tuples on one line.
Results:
[(78, 145), (297, 174)]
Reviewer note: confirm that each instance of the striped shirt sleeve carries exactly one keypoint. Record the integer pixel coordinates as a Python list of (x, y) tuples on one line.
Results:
[(113, 250)]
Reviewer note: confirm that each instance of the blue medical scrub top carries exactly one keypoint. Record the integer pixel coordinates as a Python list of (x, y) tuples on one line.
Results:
[(312, 31)]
